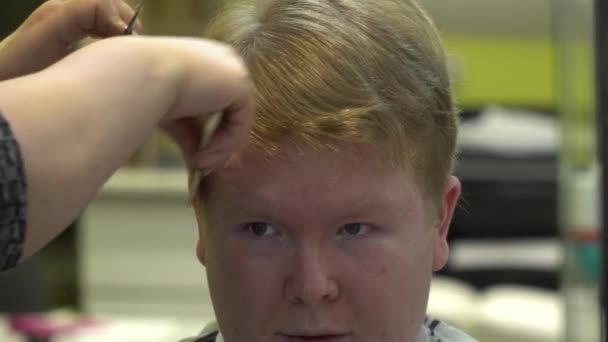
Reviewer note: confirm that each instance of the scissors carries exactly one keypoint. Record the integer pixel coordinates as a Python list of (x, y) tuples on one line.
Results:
[(131, 25)]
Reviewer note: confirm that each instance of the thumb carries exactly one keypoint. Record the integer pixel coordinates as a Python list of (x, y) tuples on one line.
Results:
[(186, 133)]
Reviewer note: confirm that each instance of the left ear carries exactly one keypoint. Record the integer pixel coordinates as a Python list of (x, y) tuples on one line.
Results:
[(449, 198)]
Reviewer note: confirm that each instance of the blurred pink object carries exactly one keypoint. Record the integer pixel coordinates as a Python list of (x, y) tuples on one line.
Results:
[(46, 326)]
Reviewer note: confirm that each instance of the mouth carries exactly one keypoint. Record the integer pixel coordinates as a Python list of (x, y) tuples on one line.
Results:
[(314, 337)]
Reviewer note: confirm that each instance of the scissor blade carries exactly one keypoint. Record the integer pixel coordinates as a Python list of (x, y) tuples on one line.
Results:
[(131, 25)]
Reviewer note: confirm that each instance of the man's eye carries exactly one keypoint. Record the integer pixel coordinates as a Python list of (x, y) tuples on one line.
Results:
[(355, 229), (260, 229)]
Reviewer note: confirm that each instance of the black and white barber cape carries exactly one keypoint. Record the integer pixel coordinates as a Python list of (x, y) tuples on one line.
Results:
[(434, 330)]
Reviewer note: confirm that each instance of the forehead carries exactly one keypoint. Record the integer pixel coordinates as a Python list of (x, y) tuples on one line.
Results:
[(350, 174)]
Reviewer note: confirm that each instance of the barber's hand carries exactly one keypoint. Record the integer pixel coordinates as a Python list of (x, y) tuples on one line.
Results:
[(50, 32), (213, 79)]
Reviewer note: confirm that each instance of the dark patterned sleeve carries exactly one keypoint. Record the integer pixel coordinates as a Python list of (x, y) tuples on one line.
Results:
[(12, 198)]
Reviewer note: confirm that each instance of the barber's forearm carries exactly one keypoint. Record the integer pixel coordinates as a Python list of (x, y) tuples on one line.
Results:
[(124, 89), (79, 120)]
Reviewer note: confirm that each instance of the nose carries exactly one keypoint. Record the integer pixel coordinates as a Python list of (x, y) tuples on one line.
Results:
[(309, 281)]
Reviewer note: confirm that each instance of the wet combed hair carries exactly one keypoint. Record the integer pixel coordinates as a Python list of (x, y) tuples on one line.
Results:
[(357, 71)]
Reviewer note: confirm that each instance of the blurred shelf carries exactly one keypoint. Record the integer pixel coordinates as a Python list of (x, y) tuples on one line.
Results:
[(137, 246), (147, 182)]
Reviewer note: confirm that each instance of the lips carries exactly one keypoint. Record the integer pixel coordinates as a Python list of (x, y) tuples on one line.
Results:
[(321, 337)]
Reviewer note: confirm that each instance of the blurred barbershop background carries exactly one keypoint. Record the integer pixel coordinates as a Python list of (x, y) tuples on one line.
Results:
[(526, 250)]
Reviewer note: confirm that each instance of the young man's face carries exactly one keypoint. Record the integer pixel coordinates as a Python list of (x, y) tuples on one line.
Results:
[(321, 246)]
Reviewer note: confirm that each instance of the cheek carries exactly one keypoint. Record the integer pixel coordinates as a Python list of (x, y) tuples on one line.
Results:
[(391, 259), (238, 269), (243, 288), (392, 272), (244, 293), (391, 281)]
